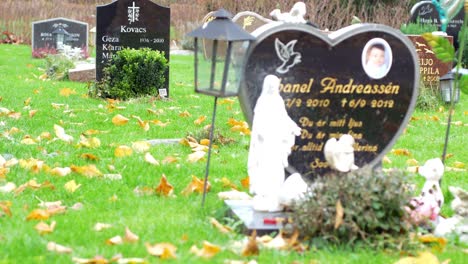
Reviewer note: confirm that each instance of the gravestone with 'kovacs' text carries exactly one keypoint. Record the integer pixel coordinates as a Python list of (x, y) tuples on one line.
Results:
[(330, 87), (131, 24), (43, 36), (425, 12)]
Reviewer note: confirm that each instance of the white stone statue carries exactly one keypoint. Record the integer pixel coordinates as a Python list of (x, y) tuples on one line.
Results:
[(340, 153), (296, 15), (273, 134)]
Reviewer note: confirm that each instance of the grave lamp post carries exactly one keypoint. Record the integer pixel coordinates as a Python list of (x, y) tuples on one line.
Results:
[(448, 91), (60, 36), (220, 74)]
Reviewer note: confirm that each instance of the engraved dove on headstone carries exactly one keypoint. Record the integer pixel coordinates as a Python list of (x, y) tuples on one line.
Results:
[(287, 54)]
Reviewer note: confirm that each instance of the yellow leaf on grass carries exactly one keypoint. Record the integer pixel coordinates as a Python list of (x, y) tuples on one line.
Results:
[(58, 171), (205, 142), (5, 206), (339, 214), (228, 184), (89, 142), (196, 185), (459, 165), (199, 120), (208, 250), (141, 146), (159, 123), (185, 114), (412, 162), (221, 228), (196, 156), (32, 113), (245, 182), (87, 170), (38, 214), (170, 159), (117, 240), (423, 258), (150, 159), (164, 188), (122, 151), (60, 133), (28, 141), (27, 101), (162, 250), (101, 226), (71, 186), (89, 156), (401, 152), (43, 228), (387, 160), (251, 248), (67, 92), (119, 120), (155, 112), (141, 123), (438, 243), (97, 260), (130, 237), (435, 118), (54, 247)]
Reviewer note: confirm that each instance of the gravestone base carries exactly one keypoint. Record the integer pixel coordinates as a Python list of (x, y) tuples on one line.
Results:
[(255, 220), (82, 73)]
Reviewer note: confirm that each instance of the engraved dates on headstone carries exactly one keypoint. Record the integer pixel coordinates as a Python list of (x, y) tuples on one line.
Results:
[(131, 24), (331, 86)]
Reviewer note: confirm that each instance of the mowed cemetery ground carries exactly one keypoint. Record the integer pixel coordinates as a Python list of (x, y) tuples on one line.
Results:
[(114, 176)]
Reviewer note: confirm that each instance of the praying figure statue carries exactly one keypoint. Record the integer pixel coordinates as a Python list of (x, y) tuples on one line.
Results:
[(272, 137)]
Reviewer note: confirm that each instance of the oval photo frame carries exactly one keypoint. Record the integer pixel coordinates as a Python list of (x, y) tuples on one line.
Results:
[(375, 47)]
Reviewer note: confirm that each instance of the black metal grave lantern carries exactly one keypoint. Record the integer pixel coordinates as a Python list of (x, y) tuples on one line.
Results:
[(220, 74)]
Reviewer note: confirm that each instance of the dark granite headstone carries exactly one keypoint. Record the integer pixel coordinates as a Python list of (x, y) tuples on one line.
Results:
[(430, 67), (329, 91), (42, 36), (425, 12), (131, 24)]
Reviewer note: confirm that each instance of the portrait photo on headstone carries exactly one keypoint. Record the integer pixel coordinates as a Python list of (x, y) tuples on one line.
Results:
[(377, 58)]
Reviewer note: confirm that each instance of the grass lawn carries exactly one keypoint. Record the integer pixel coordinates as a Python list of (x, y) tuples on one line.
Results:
[(27, 134)]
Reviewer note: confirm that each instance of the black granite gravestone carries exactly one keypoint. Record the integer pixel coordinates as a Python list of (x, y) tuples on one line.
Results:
[(43, 37), (425, 12), (329, 89), (131, 24)]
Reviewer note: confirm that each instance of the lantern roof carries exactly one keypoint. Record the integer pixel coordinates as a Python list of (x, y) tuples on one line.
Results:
[(221, 27)]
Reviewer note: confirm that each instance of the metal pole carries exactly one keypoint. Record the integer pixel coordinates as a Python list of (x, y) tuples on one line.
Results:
[(209, 151)]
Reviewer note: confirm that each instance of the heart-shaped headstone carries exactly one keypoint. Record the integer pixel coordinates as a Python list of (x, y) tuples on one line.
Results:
[(329, 87)]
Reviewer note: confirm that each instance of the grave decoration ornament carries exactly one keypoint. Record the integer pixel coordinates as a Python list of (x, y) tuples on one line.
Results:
[(219, 75), (273, 134), (60, 35)]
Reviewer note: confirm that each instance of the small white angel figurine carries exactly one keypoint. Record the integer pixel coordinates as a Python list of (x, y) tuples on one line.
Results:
[(273, 134), (340, 153), (296, 15)]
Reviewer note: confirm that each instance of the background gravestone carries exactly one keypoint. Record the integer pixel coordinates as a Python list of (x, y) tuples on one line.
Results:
[(131, 24), (42, 36), (427, 14), (329, 92), (430, 67)]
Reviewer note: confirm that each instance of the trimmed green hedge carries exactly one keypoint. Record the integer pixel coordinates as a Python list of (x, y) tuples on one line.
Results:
[(133, 73)]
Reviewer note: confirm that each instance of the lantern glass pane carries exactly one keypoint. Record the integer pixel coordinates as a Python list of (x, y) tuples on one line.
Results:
[(236, 62), (204, 67)]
